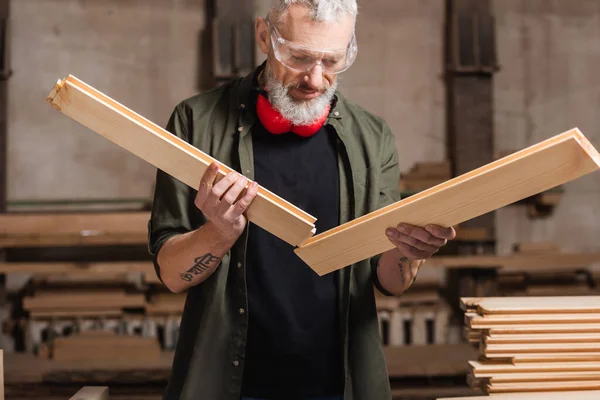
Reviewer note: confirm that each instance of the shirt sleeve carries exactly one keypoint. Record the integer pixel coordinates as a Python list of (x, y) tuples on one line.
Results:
[(173, 211), (389, 189)]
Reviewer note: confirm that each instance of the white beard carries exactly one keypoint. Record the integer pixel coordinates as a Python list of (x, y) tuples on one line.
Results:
[(298, 112)]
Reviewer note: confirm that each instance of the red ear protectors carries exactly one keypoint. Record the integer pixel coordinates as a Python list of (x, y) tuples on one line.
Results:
[(275, 123)]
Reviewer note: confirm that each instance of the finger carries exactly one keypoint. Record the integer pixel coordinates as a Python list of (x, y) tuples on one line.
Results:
[(397, 236), (242, 204), (208, 178), (206, 184), (441, 232), (410, 252), (234, 191), (221, 187), (421, 234)]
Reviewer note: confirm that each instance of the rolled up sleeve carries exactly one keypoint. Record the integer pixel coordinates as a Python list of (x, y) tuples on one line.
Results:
[(173, 211)]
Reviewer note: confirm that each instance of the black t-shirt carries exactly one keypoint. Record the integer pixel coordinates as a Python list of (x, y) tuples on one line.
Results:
[(293, 347)]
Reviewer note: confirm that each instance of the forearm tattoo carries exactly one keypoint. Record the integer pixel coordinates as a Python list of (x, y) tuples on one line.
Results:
[(402, 264), (201, 265)]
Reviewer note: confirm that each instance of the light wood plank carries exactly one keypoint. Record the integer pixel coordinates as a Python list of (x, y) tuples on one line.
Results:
[(497, 320), (536, 247), (543, 338), (167, 152), (544, 328), (543, 166), (517, 261), (561, 386), (51, 268), (487, 369), (541, 348), (76, 314), (546, 376), (539, 305), (84, 224), (83, 301), (92, 393), (549, 356), (565, 395), (522, 359)]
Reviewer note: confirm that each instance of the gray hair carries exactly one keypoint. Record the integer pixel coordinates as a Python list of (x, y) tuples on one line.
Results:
[(320, 10)]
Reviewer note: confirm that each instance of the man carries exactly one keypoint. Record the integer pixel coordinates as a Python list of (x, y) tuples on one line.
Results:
[(258, 323)]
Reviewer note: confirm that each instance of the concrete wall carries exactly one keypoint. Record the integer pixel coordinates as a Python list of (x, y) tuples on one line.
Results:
[(398, 73), (144, 54), (550, 56)]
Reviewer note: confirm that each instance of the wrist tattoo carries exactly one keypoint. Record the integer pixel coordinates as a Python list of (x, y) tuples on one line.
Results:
[(201, 265)]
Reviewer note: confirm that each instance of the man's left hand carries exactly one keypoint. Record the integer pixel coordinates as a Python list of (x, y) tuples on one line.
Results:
[(419, 243)]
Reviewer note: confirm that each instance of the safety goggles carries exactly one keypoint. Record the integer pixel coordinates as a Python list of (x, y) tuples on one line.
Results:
[(303, 58)]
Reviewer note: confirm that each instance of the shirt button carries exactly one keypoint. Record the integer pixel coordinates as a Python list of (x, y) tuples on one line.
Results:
[(240, 265), (337, 114), (240, 129), (236, 363), (242, 105), (247, 171), (242, 311)]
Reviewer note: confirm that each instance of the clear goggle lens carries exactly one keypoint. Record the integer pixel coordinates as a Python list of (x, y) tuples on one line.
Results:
[(302, 58)]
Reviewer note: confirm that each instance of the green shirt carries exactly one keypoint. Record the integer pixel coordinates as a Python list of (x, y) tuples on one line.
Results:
[(209, 358)]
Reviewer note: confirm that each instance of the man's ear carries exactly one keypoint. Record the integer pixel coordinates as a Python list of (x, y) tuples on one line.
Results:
[(261, 29)]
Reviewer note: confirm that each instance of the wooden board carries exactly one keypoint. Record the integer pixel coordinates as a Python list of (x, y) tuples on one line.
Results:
[(83, 301), (521, 359), (76, 314), (92, 393), (565, 395), (496, 320), (167, 152), (543, 338), (541, 348), (539, 305), (53, 269), (543, 166), (536, 247), (487, 369), (99, 223), (550, 356), (105, 346), (517, 261), (546, 376), (544, 386), (544, 328)]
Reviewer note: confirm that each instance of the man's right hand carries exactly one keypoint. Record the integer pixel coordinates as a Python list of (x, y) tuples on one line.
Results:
[(220, 204)]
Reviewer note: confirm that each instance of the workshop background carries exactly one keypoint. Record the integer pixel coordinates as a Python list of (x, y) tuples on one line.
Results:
[(460, 82)]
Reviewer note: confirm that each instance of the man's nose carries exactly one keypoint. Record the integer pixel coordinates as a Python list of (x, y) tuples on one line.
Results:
[(315, 76)]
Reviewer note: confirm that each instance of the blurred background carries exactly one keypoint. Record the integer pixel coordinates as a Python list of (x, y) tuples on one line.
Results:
[(460, 82)]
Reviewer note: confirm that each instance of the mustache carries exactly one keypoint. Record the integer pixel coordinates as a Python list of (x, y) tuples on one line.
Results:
[(306, 86)]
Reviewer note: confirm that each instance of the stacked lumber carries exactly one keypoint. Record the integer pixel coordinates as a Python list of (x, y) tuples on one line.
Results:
[(534, 344), (418, 317), (97, 345), (541, 279), (424, 175), (563, 395), (73, 229), (108, 299)]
